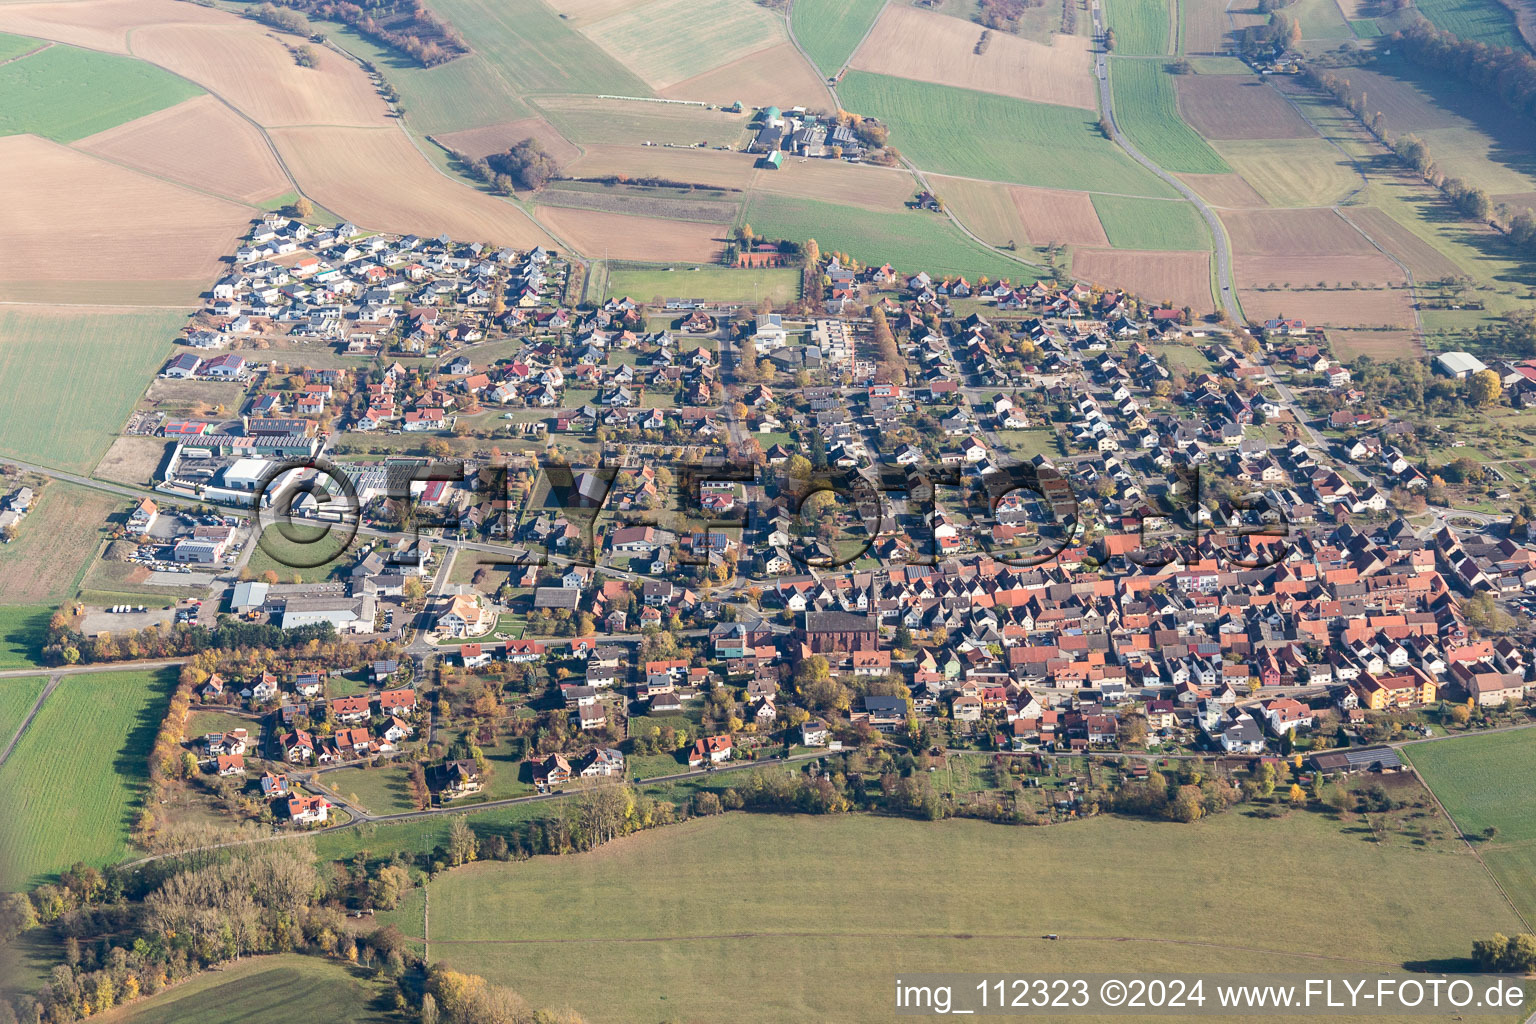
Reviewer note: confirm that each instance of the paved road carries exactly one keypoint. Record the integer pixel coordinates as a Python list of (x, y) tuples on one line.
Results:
[(1223, 249)]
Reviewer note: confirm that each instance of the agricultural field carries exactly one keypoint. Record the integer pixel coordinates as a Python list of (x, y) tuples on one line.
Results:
[(200, 143), (1141, 26), (23, 629), (16, 699), (1478, 780), (532, 51), (937, 49), (1485, 21), (1179, 278), (717, 284), (1233, 107), (1151, 223), (264, 988), (73, 377), (99, 24), (985, 207), (665, 42), (1005, 139), (498, 138), (64, 93), (1223, 190), (642, 201), (120, 713), (910, 240), (1147, 110), (1320, 20), (134, 239), (833, 181), (778, 76), (589, 119), (1209, 27), (789, 863), (45, 562), (712, 167), (831, 29), (1293, 172), (375, 176), (621, 236), (12, 47), (1423, 260)]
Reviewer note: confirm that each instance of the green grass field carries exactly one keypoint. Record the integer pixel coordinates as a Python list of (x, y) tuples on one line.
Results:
[(1481, 780), (1141, 26), (721, 284), (1485, 21), (1320, 19), (74, 777), (1148, 111), (996, 138), (830, 29), (14, 46), (64, 93), (670, 41), (1150, 223), (72, 378), (378, 790), (288, 550), (267, 988), (808, 918), (908, 240), (16, 698), (1365, 28), (23, 628)]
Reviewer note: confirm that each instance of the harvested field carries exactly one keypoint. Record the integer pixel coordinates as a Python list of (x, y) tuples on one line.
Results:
[(1231, 107), (987, 208), (692, 166), (253, 69), (778, 76), (498, 138), (1380, 345), (588, 119), (100, 24), (1425, 261), (832, 181), (201, 143), (1209, 28), (119, 224), (376, 177), (642, 203), (1224, 190), (1305, 233), (1053, 215), (132, 460), (1347, 308), (1182, 278), (910, 43), (1293, 172), (634, 238), (669, 41)]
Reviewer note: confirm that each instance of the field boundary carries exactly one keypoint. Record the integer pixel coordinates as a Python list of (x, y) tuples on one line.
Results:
[(37, 705)]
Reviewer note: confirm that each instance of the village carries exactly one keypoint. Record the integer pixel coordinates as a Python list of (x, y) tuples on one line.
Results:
[(1142, 548)]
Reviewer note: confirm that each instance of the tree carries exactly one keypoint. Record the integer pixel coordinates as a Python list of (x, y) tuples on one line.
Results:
[(1461, 714), (1484, 388), (303, 209), (428, 1013), (1297, 794), (461, 842), (527, 164)]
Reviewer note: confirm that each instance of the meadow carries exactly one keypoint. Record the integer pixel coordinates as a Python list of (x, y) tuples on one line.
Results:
[(65, 93), (767, 903), (908, 240), (1151, 223), (830, 29), (23, 628), (265, 988), (377, 790), (73, 377), (1481, 780), (54, 544), (16, 698), (719, 284), (1141, 26), (289, 550), (1486, 21), (997, 138), (1147, 110), (82, 762)]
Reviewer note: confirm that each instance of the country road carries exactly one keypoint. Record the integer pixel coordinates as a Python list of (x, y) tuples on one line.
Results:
[(1222, 247)]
